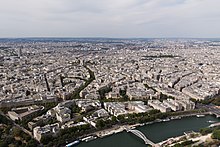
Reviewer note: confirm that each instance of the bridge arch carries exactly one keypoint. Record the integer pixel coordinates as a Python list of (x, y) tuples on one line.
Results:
[(142, 136), (139, 134)]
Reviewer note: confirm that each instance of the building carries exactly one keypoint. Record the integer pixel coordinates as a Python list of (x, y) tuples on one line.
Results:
[(156, 104), (62, 114), (187, 104), (115, 108), (47, 130), (23, 113), (173, 104), (20, 51), (71, 124), (138, 107)]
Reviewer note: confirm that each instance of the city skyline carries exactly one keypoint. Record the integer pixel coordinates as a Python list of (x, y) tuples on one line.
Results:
[(65, 92), (111, 19)]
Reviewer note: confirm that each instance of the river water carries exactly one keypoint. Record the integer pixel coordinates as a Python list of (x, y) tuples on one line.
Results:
[(156, 132)]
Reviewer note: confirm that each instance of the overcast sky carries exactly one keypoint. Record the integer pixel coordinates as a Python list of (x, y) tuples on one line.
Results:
[(110, 18)]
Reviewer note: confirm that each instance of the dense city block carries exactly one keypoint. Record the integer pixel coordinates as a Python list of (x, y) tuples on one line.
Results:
[(69, 89)]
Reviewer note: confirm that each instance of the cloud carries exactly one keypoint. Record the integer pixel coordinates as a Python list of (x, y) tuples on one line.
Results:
[(110, 18)]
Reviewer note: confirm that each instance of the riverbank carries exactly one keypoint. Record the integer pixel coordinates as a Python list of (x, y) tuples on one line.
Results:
[(114, 130), (199, 139), (156, 132), (120, 128), (195, 137)]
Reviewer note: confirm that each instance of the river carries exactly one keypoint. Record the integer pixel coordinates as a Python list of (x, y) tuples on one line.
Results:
[(156, 132)]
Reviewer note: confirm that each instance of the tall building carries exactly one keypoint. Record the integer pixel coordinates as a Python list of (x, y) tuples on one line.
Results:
[(20, 51), (47, 84)]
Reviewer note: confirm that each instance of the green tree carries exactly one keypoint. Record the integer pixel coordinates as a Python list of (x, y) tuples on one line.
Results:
[(205, 131), (100, 124), (46, 139), (114, 119), (216, 134), (17, 131), (3, 143), (32, 143)]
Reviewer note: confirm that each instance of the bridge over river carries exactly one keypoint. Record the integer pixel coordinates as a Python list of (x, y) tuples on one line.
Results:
[(142, 136)]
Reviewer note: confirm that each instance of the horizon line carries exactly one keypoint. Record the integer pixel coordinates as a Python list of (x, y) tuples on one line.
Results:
[(62, 37)]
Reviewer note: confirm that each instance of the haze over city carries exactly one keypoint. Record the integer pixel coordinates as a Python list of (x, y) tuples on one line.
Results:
[(103, 73), (110, 18)]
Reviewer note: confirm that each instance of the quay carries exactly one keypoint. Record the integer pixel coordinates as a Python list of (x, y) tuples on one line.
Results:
[(214, 125)]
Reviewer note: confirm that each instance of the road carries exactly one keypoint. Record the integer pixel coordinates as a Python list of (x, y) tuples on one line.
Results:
[(17, 125), (210, 108)]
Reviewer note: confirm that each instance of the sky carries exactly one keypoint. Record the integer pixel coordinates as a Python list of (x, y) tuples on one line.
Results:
[(110, 18)]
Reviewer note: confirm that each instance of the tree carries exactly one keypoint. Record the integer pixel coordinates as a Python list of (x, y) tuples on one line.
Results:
[(3, 143), (103, 91), (4, 120), (216, 101), (46, 139), (216, 134), (114, 119), (32, 143), (9, 140), (100, 124), (17, 131), (18, 143), (154, 111), (27, 93), (205, 131)]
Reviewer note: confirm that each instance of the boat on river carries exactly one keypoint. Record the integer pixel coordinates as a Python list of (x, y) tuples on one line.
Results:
[(211, 121), (88, 138), (167, 119), (200, 115), (74, 143)]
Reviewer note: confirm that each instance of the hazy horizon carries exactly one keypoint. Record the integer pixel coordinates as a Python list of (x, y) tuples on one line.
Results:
[(63, 37), (110, 19)]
